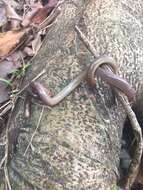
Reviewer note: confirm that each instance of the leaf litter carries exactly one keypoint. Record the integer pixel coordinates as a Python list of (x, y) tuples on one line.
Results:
[(21, 38)]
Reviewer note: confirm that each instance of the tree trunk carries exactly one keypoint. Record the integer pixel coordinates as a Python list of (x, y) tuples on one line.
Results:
[(77, 144)]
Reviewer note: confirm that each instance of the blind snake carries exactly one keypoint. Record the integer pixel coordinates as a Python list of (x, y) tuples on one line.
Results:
[(88, 75)]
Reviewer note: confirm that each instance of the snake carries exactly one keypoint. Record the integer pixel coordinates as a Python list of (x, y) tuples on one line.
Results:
[(95, 69)]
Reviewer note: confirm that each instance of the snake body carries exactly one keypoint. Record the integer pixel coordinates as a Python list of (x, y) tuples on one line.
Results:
[(89, 75), (43, 93)]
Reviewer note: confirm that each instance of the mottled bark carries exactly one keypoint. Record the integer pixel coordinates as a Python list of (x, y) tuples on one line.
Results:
[(77, 144)]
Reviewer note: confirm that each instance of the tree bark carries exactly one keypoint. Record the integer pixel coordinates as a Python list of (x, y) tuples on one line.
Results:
[(77, 144)]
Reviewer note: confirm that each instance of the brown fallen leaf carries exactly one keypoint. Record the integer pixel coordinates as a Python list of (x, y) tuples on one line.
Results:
[(47, 23), (13, 17), (10, 12), (9, 40), (42, 13), (39, 13), (11, 64), (12, 3), (27, 18)]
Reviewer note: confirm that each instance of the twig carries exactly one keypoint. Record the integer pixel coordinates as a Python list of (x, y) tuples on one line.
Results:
[(6, 109), (38, 124), (7, 177), (15, 18), (2, 162), (133, 170), (1, 107), (86, 42), (6, 151)]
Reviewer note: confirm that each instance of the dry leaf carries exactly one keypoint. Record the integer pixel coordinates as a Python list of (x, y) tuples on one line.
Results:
[(49, 20), (8, 66), (27, 18), (12, 3), (11, 13), (4, 92), (42, 13), (14, 18), (12, 63), (39, 13), (9, 40)]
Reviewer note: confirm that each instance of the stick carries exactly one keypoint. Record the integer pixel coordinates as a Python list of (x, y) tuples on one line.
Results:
[(38, 124)]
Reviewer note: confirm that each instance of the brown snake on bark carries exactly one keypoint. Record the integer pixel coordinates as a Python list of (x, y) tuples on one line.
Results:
[(89, 75)]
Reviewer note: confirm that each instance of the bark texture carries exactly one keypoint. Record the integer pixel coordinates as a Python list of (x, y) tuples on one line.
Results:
[(77, 144)]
